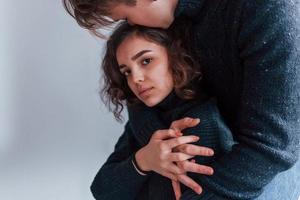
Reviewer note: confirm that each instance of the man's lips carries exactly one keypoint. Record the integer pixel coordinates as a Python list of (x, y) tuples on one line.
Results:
[(141, 92)]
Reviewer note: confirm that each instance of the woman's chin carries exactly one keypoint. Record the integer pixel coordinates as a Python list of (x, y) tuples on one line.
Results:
[(151, 102)]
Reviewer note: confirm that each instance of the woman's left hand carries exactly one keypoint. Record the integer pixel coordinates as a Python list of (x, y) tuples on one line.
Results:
[(176, 184), (189, 166)]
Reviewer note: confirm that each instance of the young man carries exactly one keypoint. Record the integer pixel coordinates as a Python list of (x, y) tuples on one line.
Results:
[(249, 52)]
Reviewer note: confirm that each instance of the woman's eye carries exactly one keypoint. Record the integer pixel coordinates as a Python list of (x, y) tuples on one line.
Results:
[(146, 61)]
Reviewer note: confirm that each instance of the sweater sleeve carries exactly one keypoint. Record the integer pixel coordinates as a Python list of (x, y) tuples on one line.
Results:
[(269, 110), (117, 177)]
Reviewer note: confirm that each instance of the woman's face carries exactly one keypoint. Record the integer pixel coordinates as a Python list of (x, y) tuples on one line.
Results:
[(146, 67)]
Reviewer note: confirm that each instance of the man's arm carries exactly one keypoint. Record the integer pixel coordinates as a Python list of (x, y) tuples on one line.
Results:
[(118, 177), (268, 122)]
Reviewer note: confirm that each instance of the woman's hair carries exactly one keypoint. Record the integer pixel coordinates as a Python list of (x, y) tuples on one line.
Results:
[(92, 14), (116, 91)]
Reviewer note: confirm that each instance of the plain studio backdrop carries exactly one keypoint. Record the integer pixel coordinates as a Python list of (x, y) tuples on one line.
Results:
[(55, 133)]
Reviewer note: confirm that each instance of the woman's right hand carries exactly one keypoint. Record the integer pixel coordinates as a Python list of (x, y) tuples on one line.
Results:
[(158, 156)]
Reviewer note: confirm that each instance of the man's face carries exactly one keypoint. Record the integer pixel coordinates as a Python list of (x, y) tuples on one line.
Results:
[(159, 13)]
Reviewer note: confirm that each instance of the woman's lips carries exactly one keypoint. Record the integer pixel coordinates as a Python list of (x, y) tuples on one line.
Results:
[(145, 91)]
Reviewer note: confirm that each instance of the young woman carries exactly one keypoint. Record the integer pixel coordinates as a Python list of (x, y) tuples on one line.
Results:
[(147, 67)]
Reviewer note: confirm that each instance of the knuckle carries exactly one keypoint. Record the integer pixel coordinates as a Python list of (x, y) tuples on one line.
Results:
[(170, 131), (179, 164), (161, 146), (184, 165), (174, 178), (177, 157), (186, 148), (176, 142), (174, 123), (155, 133), (161, 157), (186, 119), (180, 171)]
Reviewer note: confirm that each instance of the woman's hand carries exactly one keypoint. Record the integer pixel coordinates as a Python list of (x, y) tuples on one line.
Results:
[(191, 149), (176, 187), (167, 153), (189, 166), (158, 156)]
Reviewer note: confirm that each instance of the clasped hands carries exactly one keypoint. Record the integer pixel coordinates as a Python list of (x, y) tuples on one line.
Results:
[(170, 154)]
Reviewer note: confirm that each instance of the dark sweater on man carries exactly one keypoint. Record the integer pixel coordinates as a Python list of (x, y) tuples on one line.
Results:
[(118, 179), (249, 53)]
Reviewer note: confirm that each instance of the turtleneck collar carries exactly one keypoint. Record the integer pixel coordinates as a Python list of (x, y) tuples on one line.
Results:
[(170, 102), (188, 7)]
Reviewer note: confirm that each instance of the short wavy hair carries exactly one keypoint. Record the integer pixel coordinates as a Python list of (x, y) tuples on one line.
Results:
[(116, 92), (92, 14)]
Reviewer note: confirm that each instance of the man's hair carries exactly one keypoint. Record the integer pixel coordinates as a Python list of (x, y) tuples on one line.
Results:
[(92, 14), (115, 92)]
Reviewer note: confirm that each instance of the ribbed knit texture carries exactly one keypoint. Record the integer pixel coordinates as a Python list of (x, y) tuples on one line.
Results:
[(117, 178), (249, 53)]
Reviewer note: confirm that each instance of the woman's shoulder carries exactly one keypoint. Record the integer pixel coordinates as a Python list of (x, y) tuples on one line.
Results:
[(207, 108)]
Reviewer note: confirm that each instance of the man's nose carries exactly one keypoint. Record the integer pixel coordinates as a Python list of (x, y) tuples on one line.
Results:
[(130, 22)]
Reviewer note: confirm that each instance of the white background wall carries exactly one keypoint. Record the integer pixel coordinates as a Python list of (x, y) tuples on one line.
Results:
[(55, 133)]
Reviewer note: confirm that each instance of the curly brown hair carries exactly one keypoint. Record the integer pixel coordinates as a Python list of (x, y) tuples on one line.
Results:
[(92, 14), (116, 91)]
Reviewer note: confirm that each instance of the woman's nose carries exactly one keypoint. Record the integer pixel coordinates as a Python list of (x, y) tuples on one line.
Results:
[(138, 77)]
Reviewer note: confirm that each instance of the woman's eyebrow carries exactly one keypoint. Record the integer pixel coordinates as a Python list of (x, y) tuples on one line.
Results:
[(136, 56), (139, 54)]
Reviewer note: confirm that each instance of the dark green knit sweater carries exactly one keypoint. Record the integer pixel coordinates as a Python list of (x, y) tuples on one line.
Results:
[(249, 52)]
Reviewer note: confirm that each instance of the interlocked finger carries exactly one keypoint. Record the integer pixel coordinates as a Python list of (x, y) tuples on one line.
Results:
[(184, 123), (174, 169), (192, 149), (181, 140), (184, 179), (176, 188), (178, 157), (165, 134), (169, 175), (190, 166)]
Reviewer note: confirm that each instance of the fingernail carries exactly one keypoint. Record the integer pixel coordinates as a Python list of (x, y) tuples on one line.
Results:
[(210, 171), (178, 133), (197, 120), (198, 190), (211, 153)]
